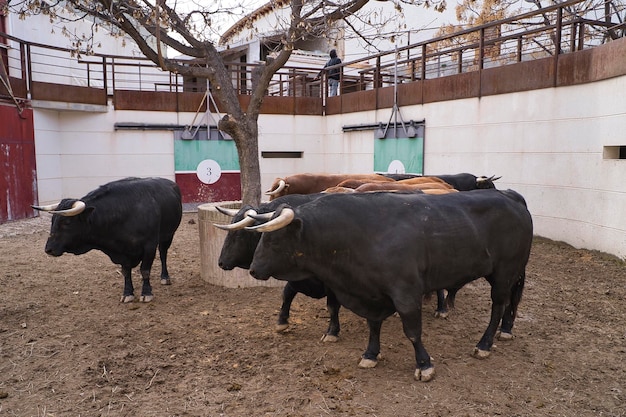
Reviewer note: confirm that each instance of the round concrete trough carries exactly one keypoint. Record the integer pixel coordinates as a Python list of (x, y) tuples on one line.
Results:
[(211, 241)]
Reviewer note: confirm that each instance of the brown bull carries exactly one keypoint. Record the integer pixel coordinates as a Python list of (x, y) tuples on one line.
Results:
[(427, 188), (315, 183), (338, 189), (355, 183), (422, 180), (399, 186)]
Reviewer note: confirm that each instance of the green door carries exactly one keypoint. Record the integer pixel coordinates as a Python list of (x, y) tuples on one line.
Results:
[(399, 154), (206, 167)]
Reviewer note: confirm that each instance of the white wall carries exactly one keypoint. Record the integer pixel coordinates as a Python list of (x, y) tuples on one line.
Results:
[(78, 151), (38, 29), (547, 144)]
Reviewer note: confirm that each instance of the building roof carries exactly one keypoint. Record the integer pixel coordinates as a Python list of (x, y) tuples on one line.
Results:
[(247, 20)]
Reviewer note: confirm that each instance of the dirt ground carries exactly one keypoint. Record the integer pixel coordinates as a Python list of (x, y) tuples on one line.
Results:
[(69, 348)]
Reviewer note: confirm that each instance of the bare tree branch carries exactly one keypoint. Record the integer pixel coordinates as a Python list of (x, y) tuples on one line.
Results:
[(154, 25)]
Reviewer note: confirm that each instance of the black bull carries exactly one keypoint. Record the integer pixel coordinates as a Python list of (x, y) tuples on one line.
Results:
[(379, 253), (238, 250), (460, 182), (127, 220)]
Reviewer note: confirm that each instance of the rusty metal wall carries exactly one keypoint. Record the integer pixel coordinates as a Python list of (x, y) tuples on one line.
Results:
[(18, 182)]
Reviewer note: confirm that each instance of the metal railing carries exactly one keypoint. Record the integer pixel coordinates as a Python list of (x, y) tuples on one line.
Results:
[(559, 29), (538, 34)]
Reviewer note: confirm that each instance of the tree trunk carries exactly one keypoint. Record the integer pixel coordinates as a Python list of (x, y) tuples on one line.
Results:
[(246, 136)]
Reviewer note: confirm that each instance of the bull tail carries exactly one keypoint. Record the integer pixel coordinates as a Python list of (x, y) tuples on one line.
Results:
[(516, 293)]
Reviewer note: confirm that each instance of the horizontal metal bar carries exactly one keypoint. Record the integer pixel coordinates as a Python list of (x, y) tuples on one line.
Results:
[(374, 126)]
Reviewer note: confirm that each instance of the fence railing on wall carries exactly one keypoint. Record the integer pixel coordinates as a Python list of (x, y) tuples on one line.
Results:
[(567, 27)]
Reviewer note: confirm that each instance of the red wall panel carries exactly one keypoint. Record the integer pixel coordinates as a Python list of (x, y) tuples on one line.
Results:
[(227, 188), (18, 179)]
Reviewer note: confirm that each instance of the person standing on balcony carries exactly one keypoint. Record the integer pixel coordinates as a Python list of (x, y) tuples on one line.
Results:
[(333, 73)]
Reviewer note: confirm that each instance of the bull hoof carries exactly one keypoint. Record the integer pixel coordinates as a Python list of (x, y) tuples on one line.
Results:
[(329, 338), (127, 298), (282, 327), (367, 363), (146, 298), (481, 354), (504, 336), (441, 315), (166, 281), (424, 375)]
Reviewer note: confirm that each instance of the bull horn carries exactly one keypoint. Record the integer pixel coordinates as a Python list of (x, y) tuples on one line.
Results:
[(246, 221), (227, 211), (77, 208), (281, 186), (46, 208), (263, 217), (496, 178), (284, 218)]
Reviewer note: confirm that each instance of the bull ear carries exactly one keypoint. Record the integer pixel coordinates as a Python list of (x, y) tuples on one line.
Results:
[(495, 178)]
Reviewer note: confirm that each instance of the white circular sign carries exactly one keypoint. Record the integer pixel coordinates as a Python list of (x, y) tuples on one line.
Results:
[(209, 171), (396, 167)]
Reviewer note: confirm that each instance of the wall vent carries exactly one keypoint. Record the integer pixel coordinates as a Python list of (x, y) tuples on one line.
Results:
[(614, 152), (281, 154)]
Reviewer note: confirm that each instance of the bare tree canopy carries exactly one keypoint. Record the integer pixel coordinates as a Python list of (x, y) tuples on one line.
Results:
[(473, 14), (191, 28)]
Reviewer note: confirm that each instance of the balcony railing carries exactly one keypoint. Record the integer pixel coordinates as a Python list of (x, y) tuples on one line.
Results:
[(547, 32)]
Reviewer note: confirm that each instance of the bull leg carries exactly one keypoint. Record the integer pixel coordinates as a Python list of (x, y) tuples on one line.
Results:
[(163, 248), (442, 308), (332, 333), (445, 303), (483, 347), (499, 301), (370, 357), (129, 290), (449, 303), (146, 288), (506, 329), (412, 326), (289, 293), (146, 266)]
